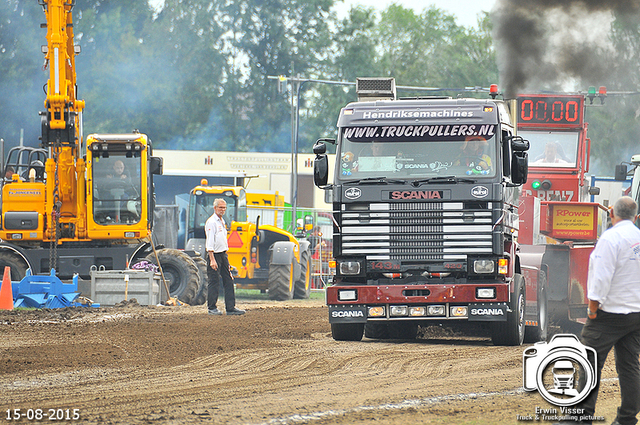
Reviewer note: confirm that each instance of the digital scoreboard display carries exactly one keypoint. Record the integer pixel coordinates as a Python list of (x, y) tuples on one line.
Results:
[(541, 110)]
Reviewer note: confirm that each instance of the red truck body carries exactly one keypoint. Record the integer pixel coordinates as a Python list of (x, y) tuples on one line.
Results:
[(558, 226)]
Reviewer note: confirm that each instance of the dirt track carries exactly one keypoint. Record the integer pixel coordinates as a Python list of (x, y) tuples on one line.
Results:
[(276, 365)]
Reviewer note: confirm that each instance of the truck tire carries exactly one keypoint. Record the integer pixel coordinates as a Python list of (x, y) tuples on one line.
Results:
[(391, 330), (376, 330), (403, 330), (302, 288), (17, 265), (539, 333), (201, 296), (347, 331), (281, 281), (511, 331), (180, 271)]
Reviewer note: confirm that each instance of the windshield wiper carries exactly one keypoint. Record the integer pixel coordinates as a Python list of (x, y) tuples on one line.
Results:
[(443, 179), (377, 180)]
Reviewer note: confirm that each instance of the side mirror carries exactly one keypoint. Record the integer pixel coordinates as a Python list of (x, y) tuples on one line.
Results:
[(308, 222), (155, 165), (324, 140), (621, 173), (319, 148), (518, 144), (519, 167), (321, 169)]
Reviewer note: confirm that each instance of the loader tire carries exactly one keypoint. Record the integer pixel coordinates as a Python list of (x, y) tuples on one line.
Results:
[(281, 281), (302, 288), (180, 272), (201, 296), (15, 263)]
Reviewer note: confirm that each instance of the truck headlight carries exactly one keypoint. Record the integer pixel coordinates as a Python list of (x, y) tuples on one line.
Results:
[(459, 311), (436, 310), (483, 266), (347, 295), (376, 311), (350, 267), (399, 310), (417, 311), (485, 292)]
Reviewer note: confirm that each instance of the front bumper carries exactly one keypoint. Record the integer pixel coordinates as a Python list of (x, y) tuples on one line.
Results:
[(359, 304)]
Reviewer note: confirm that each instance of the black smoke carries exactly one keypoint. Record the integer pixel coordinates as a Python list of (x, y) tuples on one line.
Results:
[(544, 44)]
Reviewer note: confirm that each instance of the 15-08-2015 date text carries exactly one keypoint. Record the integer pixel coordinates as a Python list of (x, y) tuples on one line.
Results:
[(42, 414)]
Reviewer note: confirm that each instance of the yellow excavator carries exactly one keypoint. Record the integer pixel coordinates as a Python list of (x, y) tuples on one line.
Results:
[(76, 202)]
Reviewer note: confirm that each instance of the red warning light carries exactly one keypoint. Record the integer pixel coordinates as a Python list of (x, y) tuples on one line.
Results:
[(493, 90), (602, 94)]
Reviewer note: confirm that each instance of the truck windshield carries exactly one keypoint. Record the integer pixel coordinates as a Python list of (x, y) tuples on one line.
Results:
[(552, 148), (462, 156), (116, 190)]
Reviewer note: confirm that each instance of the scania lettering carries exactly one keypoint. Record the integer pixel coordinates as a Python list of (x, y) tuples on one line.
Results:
[(430, 234), (347, 314), (487, 312), (414, 194)]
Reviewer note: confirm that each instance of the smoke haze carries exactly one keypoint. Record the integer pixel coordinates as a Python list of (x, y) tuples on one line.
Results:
[(547, 44)]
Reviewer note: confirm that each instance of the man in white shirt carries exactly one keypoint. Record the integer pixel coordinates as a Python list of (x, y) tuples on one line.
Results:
[(613, 290), (218, 262)]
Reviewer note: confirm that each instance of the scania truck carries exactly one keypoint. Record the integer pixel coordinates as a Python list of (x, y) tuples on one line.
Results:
[(425, 207)]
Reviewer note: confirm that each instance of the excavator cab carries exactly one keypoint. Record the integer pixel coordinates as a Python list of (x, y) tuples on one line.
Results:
[(117, 190), (118, 186)]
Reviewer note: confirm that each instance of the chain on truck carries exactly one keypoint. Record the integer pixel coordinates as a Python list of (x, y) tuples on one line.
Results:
[(425, 202)]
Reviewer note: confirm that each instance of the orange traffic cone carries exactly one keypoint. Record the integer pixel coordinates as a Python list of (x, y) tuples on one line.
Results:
[(6, 293)]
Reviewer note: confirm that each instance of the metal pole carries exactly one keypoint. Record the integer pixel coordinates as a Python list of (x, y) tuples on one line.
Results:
[(293, 141), (294, 203)]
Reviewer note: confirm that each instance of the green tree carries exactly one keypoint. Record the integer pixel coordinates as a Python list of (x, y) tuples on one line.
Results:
[(418, 50), (21, 85), (276, 37), (614, 127)]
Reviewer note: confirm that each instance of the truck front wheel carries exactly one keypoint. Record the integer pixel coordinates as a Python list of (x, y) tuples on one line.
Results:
[(391, 330), (347, 331), (511, 331)]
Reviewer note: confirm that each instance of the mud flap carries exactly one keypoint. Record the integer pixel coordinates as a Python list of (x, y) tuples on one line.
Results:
[(349, 313), (487, 312)]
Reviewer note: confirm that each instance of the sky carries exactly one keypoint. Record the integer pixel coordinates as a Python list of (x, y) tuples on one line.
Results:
[(466, 11)]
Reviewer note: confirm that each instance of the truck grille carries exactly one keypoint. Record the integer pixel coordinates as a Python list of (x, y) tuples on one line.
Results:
[(417, 231)]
